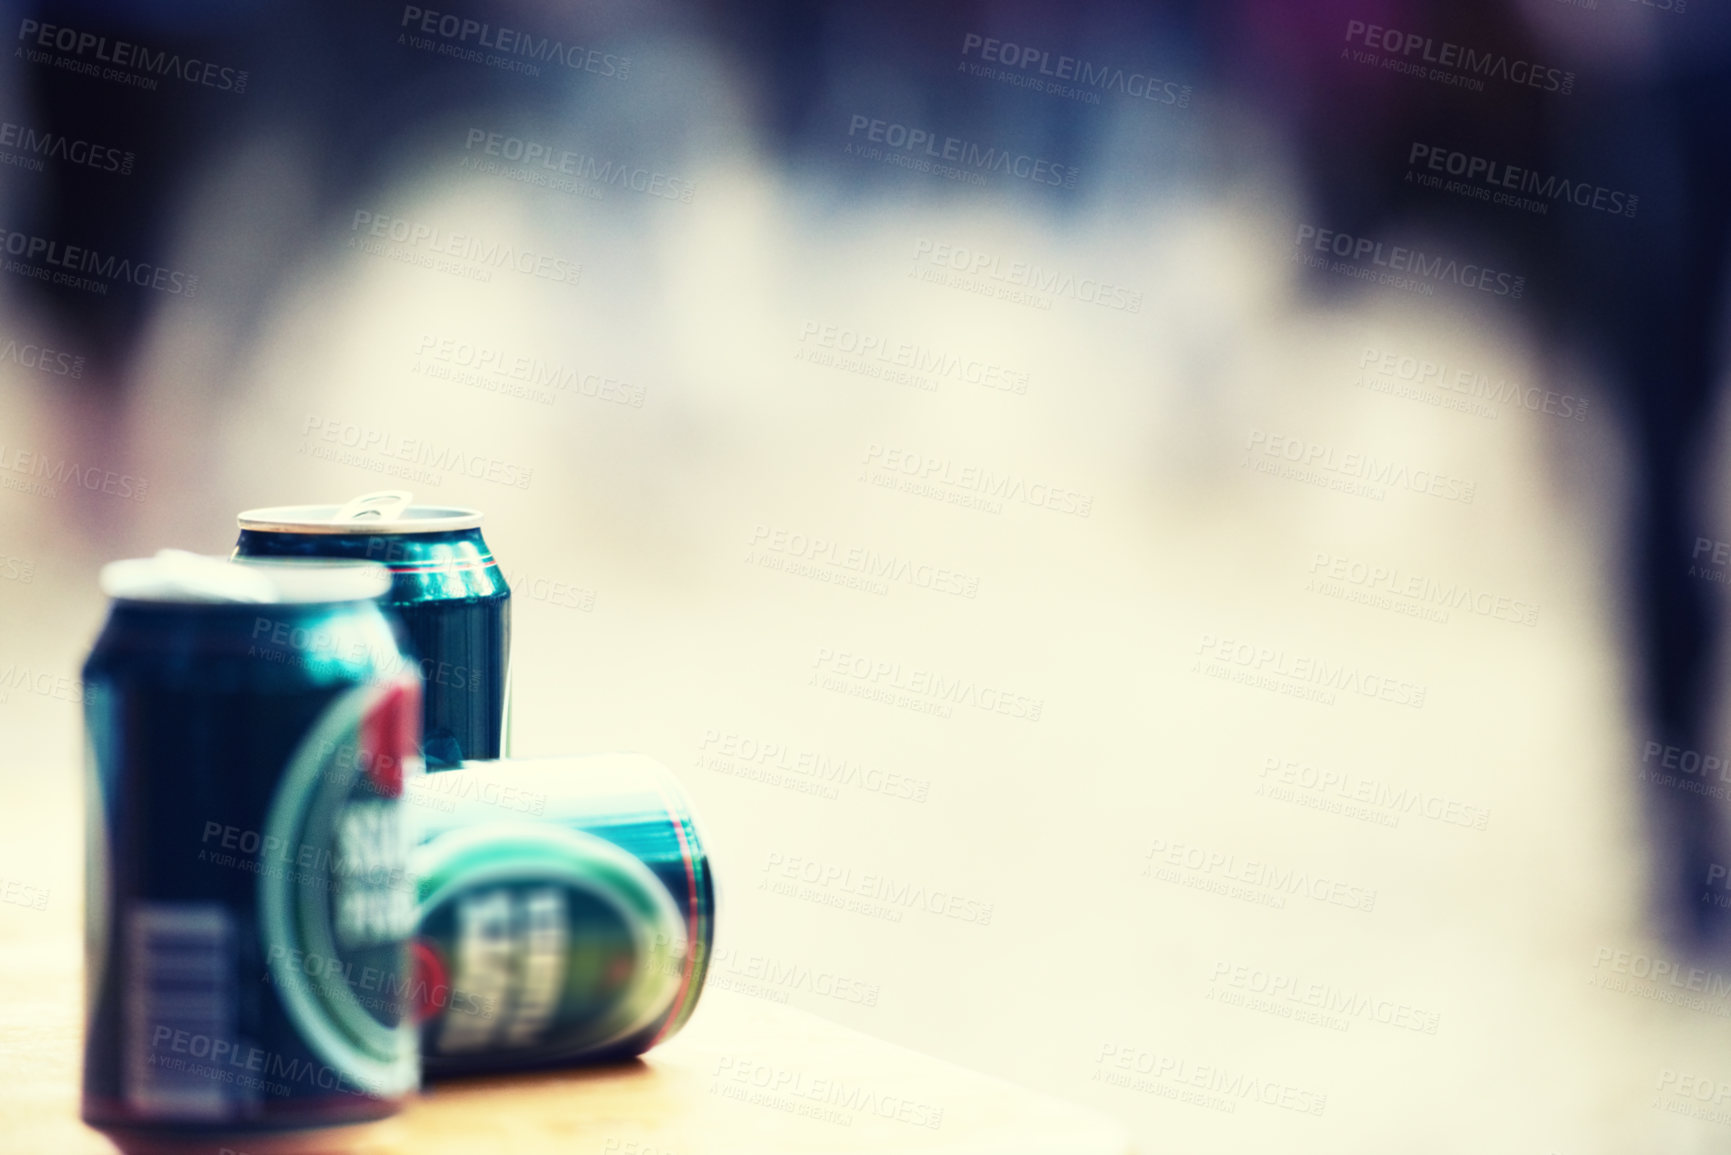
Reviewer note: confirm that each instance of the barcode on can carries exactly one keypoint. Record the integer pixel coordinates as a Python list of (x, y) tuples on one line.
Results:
[(179, 1008)]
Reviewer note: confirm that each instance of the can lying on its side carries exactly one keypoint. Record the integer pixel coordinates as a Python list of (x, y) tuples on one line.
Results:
[(446, 587), (566, 911), (249, 729)]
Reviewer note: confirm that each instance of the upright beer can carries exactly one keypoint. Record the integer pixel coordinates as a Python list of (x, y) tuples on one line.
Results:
[(249, 730), (566, 912), (445, 586)]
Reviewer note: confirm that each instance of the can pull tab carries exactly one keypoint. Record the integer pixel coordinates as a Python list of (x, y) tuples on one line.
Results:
[(381, 505)]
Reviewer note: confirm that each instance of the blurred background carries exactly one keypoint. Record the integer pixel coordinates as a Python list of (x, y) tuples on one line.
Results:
[(1174, 546)]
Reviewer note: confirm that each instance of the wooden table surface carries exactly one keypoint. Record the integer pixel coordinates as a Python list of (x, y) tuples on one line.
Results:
[(744, 1076)]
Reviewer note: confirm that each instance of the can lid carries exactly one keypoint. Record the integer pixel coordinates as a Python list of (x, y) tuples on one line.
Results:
[(177, 576), (384, 511)]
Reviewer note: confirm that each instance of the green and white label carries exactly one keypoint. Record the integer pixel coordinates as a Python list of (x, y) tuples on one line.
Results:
[(348, 895)]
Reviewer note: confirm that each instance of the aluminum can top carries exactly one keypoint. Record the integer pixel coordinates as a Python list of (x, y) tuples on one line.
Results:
[(385, 511), (176, 577)]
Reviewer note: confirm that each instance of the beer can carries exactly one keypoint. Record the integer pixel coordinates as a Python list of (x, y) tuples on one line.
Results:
[(445, 586), (249, 729), (565, 912)]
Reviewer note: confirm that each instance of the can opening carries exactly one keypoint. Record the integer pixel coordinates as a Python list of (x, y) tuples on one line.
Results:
[(380, 505)]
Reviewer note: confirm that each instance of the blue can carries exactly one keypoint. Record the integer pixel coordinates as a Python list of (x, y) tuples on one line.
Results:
[(250, 730), (565, 912), (446, 587)]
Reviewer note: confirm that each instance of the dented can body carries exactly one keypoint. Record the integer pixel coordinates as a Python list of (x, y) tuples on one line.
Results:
[(565, 912), (248, 906)]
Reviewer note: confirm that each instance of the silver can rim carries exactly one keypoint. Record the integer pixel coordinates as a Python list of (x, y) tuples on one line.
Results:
[(176, 577), (321, 519)]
